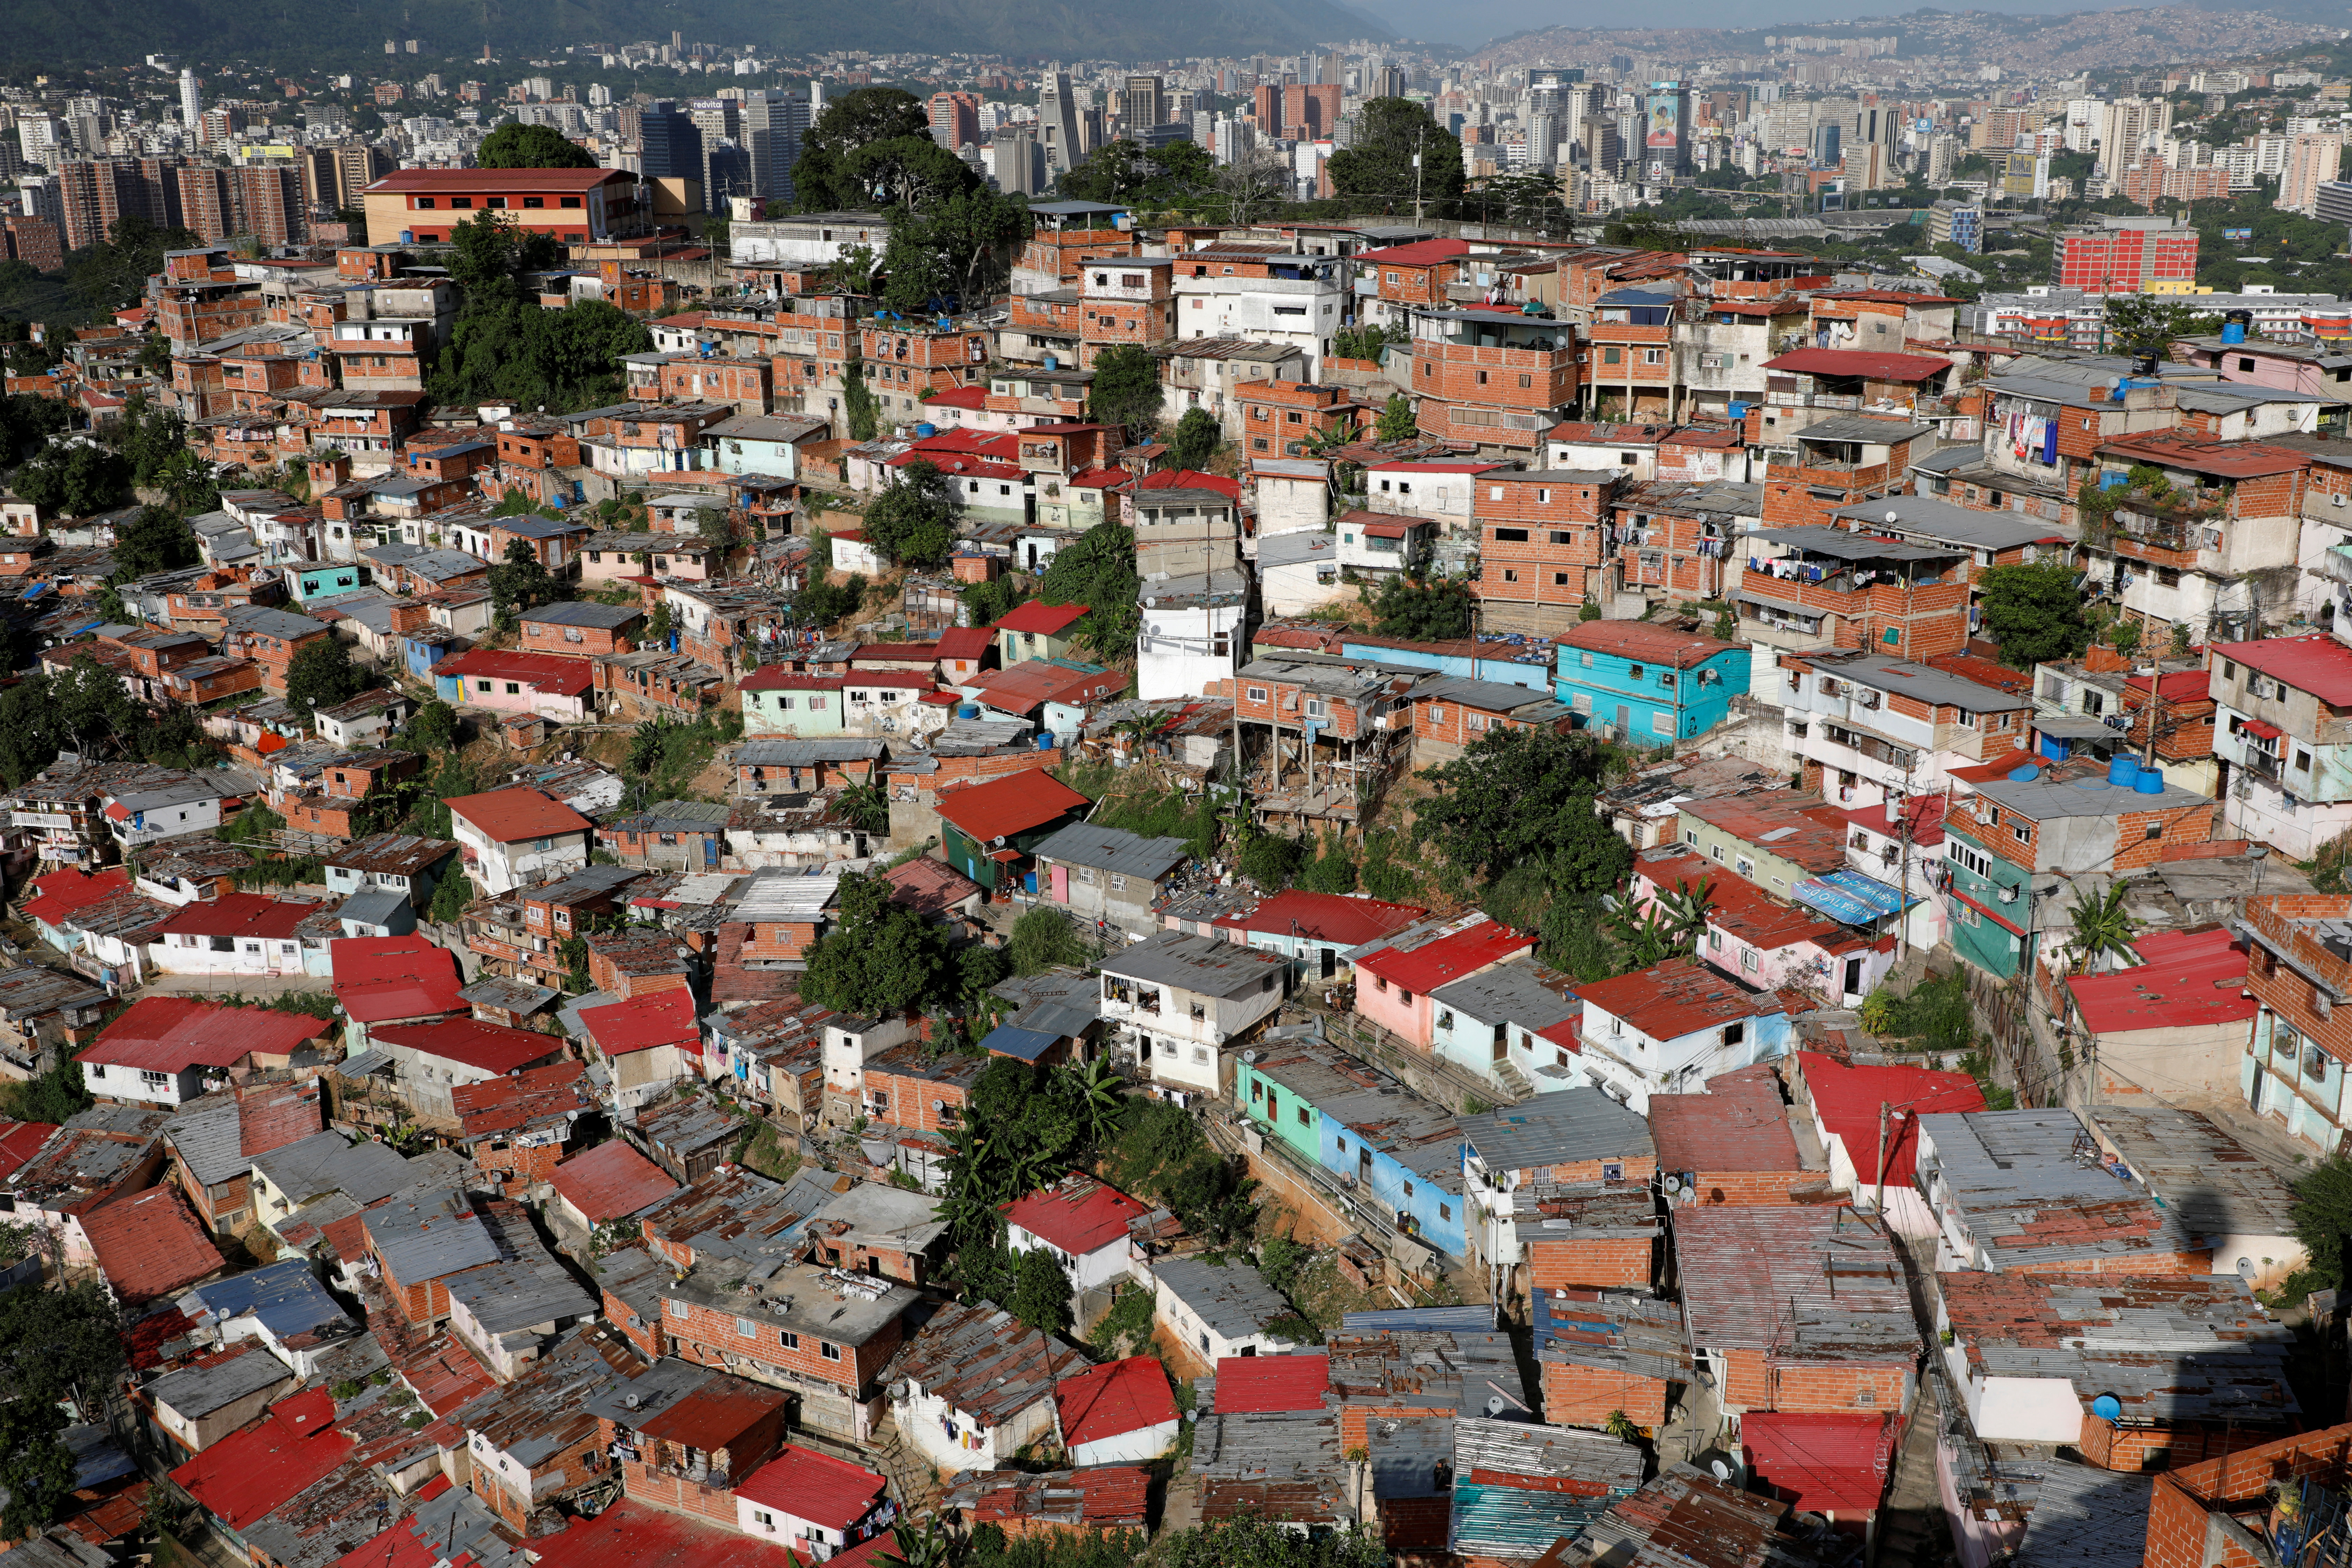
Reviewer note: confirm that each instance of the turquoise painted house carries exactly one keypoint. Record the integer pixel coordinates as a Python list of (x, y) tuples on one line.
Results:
[(1991, 899), (1652, 685), (1402, 1154)]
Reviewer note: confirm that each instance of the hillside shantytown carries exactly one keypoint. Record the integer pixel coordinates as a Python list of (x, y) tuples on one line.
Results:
[(1578, 805)]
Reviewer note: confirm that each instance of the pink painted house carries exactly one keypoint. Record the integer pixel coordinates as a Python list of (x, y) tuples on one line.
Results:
[(1393, 981), (1760, 940)]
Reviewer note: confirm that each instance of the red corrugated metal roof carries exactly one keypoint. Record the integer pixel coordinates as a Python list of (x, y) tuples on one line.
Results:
[(1257, 1384), (1421, 253), (815, 1487), (1324, 917), (545, 671), (60, 893), (1190, 479), (2180, 686), (400, 1547), (1004, 807), (2186, 980), (1033, 682), (1078, 1216), (776, 677), (611, 1181), (630, 1534), (379, 978), (2317, 664), (1857, 362), (2255, 727), (239, 915), (1644, 643), (963, 642), (1113, 1399), (1821, 1463), (173, 1033), (19, 1141), (486, 1047), (2201, 455), (1739, 1124), (248, 1473), (1037, 616), (641, 1023), (510, 816), (1449, 958), (149, 1246), (1846, 1099), (1678, 997), (502, 1104)]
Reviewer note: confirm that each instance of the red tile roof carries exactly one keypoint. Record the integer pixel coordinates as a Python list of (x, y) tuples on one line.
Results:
[(611, 1181), (1925, 813), (486, 1047), (380, 978), (1115, 1398), (643, 1022), (148, 1246), (1324, 917), (1821, 1463), (928, 886), (2178, 686), (1002, 808), (958, 397), (239, 915), (1421, 253), (1740, 907), (246, 1475), (173, 1033), (2186, 980), (546, 672), (1644, 643), (815, 1487), (1679, 997), (1870, 366), (1258, 1384), (1447, 959), (1078, 1216), (632, 1534), (60, 893), (272, 1115), (1846, 1101), (1037, 616), (510, 816), (2316, 663)]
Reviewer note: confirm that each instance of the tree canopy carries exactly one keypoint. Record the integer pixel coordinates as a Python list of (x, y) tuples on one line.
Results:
[(2035, 613), (880, 959), (75, 478), (322, 675), (1195, 438), (2152, 323), (1390, 132), (823, 180), (1125, 390), (913, 522), (504, 346), (1123, 170), (157, 540), (521, 582), (1098, 570), (515, 146), (1421, 610), (1526, 795)]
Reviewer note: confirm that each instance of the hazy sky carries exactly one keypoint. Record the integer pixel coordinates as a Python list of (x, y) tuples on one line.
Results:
[(1470, 23)]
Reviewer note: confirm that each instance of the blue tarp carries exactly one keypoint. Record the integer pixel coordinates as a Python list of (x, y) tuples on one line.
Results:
[(1849, 898), (1004, 1040)]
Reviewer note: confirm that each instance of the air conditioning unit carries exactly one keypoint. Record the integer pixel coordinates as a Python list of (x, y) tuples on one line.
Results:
[(2009, 895), (1866, 699)]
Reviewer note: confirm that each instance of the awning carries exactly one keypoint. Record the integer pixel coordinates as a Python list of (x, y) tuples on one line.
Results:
[(2257, 728), (1989, 914), (1849, 898), (2074, 726)]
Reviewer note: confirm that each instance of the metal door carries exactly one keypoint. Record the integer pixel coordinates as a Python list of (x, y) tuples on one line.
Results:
[(1060, 884)]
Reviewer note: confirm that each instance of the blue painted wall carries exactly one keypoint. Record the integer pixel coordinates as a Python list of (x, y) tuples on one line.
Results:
[(1690, 702)]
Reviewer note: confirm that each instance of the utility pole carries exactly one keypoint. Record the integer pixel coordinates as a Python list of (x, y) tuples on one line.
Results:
[(1880, 1202), (1421, 143)]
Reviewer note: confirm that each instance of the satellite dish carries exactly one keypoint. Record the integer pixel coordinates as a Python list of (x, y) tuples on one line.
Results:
[(1895, 517), (2107, 1408)]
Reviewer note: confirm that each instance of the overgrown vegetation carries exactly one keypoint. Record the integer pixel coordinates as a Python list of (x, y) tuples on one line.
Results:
[(1933, 1015)]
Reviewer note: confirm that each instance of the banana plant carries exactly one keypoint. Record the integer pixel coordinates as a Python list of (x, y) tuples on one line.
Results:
[(2103, 927)]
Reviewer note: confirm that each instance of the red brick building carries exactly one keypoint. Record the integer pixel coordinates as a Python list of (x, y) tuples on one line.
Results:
[(1540, 545)]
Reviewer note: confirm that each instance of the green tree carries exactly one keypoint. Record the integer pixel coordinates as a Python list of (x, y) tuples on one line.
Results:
[(1125, 390), (2322, 1219), (1194, 439), (1421, 610), (2103, 927), (822, 178), (2152, 323), (1380, 165), (2035, 613), (866, 806), (1252, 1541), (1043, 939), (1098, 571), (189, 483), (514, 146), (1526, 795), (521, 582), (75, 478), (55, 1096), (113, 273), (880, 959), (913, 522), (322, 675), (36, 1470), (58, 1343), (909, 172), (1397, 422), (859, 406), (432, 732), (149, 438), (157, 540), (1041, 1295), (90, 706), (1331, 871)]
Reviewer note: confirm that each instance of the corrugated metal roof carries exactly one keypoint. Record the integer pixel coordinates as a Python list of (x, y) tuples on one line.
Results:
[(1475, 1318), (2084, 1517), (1232, 1299), (2028, 1188), (1570, 1127), (215, 1384), (1799, 1284), (429, 1235), (1113, 849), (1613, 1333)]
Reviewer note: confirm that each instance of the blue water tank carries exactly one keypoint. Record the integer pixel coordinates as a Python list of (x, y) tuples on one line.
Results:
[(2026, 775), (926, 431), (967, 710), (2150, 782), (1029, 885), (1053, 362), (2234, 331), (1045, 740), (408, 237), (2121, 768)]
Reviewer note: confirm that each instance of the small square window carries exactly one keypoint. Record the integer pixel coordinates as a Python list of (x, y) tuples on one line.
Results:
[(828, 1350)]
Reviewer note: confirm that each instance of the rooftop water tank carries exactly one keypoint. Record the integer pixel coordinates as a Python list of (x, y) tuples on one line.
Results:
[(1053, 362), (925, 432), (2120, 769), (2150, 782)]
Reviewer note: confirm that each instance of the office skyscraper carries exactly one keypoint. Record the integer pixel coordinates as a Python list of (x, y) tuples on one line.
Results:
[(955, 120), (773, 125), (1143, 104), (1057, 122), (192, 101)]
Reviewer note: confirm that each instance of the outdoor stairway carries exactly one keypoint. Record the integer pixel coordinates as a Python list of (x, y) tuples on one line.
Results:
[(912, 1481), (1514, 1082)]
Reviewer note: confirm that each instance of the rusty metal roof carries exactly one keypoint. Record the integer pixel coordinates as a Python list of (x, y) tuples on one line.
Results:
[(1799, 1284), (984, 1363)]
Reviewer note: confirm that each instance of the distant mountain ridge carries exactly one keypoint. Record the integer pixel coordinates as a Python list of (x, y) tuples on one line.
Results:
[(319, 32)]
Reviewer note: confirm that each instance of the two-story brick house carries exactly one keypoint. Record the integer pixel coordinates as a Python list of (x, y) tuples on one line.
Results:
[(2283, 735), (1541, 544), (1493, 379)]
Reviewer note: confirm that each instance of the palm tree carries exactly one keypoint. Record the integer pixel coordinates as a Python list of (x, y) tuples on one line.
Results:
[(1104, 1100), (926, 1547), (2101, 927), (1684, 910), (867, 808)]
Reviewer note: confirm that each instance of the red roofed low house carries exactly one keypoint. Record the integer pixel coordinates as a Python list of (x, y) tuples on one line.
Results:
[(167, 1050), (607, 1184), (149, 1246), (571, 205), (50, 901), (1734, 1144), (1085, 1225), (236, 933), (429, 1060), (813, 1503), (550, 685), (1844, 1104), (1038, 630), (987, 830), (633, 1534), (1394, 978), (1763, 940), (1253, 1384), (2176, 1025), (1832, 1465), (1089, 1503), (1671, 1027), (1122, 1410), (979, 1387), (241, 1480), (1314, 930), (514, 838), (780, 701), (1056, 695), (518, 1126), (650, 1041), (383, 980), (685, 1437)]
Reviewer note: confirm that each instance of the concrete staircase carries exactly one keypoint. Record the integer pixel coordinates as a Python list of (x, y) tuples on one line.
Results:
[(913, 1482), (1514, 1083)]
